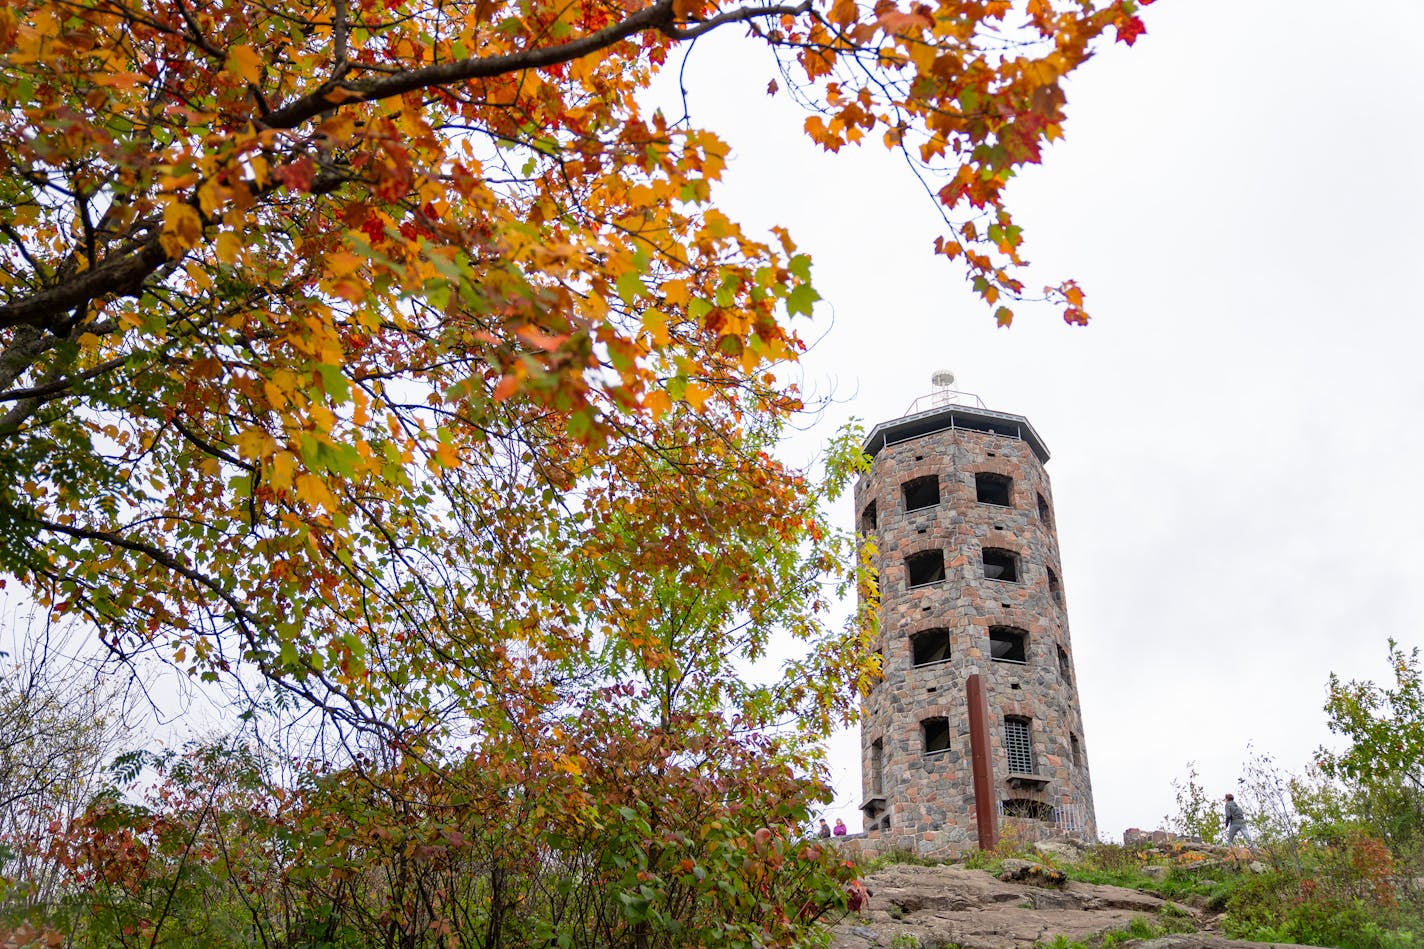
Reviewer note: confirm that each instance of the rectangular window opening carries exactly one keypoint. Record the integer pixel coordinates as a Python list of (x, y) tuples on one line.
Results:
[(1063, 663), (1077, 750), (935, 732), (877, 767)]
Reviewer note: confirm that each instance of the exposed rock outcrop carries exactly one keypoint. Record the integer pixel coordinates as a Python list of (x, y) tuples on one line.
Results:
[(947, 906)]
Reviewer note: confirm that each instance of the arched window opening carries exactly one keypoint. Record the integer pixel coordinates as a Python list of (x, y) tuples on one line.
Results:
[(992, 488), (1055, 589), (1001, 564), (1026, 808), (930, 646), (925, 567), (1007, 644), (921, 492), (868, 520)]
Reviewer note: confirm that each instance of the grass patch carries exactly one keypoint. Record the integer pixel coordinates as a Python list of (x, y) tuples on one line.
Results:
[(902, 856), (1140, 928)]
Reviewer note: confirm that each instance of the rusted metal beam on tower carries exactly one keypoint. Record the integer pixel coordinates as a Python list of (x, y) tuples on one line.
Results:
[(986, 809)]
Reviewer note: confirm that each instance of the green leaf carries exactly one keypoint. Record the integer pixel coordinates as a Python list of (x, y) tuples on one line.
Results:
[(799, 300), (630, 286), (334, 382), (800, 266)]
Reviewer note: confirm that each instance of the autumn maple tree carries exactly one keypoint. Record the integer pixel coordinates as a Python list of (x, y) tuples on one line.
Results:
[(393, 355), (294, 294)]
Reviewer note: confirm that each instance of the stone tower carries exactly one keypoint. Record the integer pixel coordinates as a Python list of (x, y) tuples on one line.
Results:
[(972, 617)]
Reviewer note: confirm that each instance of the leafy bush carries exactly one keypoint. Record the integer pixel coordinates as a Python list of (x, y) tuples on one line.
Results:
[(902, 856), (1276, 908), (1197, 812), (1111, 857)]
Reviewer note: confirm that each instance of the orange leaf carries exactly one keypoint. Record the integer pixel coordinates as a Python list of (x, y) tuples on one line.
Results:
[(657, 402), (244, 63), (505, 388)]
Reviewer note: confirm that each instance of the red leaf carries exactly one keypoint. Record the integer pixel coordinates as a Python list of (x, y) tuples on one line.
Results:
[(298, 174), (1130, 29)]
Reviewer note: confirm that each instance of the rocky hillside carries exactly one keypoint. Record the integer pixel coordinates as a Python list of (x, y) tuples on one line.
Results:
[(918, 907)]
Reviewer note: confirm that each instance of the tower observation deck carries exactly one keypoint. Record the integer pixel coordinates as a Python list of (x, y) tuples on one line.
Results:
[(975, 721)]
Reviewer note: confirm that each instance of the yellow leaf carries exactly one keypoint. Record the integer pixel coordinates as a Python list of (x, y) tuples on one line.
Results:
[(338, 128), (923, 55), (229, 247), (284, 463), (276, 397), (312, 490), (244, 63), (254, 443), (655, 322), (182, 228), (675, 292), (447, 456), (211, 197), (323, 419), (260, 168), (177, 182), (341, 263)]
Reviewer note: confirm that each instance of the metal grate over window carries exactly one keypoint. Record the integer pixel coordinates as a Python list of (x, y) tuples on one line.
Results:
[(1019, 746)]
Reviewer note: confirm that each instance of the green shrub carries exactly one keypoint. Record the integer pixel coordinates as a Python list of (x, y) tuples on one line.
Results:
[(1276, 908), (983, 860), (1116, 857), (901, 856)]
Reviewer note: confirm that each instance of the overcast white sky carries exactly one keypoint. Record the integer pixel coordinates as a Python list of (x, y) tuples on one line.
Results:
[(1236, 447)]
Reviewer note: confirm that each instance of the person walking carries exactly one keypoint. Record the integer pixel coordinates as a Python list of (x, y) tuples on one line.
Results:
[(1236, 822)]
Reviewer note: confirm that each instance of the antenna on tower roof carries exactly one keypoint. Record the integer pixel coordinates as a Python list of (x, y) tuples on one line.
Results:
[(944, 394), (943, 381)]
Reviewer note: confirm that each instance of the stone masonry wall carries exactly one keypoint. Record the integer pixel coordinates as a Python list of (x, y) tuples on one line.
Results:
[(929, 799)]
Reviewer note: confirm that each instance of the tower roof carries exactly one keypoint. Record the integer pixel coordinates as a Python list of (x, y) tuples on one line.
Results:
[(944, 417)]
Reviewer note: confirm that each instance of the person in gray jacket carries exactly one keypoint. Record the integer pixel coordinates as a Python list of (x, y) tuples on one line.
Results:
[(1236, 822)]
